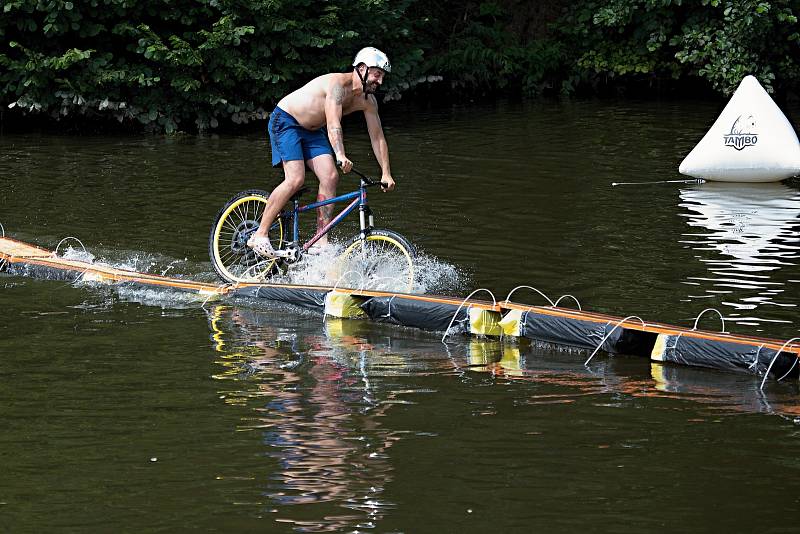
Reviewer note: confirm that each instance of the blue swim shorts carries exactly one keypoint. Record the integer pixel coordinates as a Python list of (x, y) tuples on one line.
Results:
[(290, 141)]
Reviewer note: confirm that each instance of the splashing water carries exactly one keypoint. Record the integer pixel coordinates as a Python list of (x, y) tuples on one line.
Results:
[(153, 264), (432, 275), (376, 272), (75, 254), (372, 271), (313, 270), (165, 298)]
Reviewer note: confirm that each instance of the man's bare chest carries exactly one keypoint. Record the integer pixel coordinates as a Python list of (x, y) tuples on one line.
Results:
[(352, 104)]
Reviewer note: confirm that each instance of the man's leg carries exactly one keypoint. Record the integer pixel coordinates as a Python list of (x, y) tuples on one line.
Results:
[(294, 176), (325, 169)]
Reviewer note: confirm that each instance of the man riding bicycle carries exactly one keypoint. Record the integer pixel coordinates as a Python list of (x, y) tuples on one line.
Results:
[(297, 137)]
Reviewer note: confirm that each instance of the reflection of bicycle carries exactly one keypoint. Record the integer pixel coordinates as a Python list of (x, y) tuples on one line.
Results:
[(373, 253)]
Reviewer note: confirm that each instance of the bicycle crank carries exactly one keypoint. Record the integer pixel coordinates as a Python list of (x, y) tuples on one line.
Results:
[(291, 253)]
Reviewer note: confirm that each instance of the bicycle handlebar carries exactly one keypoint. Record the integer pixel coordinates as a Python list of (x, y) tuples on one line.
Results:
[(367, 179)]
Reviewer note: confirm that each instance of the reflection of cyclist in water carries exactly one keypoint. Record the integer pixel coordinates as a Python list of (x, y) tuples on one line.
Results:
[(330, 449)]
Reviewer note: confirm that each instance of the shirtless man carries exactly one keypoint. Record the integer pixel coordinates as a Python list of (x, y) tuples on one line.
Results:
[(297, 135)]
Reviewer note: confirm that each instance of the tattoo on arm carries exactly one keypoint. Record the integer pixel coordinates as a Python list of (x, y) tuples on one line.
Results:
[(338, 95), (337, 139), (334, 115)]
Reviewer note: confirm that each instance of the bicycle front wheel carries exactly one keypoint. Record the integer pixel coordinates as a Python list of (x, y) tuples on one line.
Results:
[(232, 259), (382, 260)]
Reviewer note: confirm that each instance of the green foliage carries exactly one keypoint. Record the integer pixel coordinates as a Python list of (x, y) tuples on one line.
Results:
[(731, 39), (170, 65), (718, 40), (184, 64), (481, 54)]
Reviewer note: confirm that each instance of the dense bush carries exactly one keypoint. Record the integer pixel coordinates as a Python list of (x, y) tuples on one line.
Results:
[(491, 47), (191, 64), (719, 41), (184, 64)]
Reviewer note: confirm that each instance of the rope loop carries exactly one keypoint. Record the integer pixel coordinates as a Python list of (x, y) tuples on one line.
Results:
[(494, 303), (570, 296), (754, 365), (219, 291), (721, 318), (389, 312), (67, 239), (677, 338), (532, 288), (2, 230), (766, 375), (619, 323)]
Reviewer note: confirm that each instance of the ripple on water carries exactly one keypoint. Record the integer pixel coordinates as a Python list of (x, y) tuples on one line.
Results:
[(744, 235)]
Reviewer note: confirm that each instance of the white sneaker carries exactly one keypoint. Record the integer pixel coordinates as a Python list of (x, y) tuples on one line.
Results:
[(262, 246)]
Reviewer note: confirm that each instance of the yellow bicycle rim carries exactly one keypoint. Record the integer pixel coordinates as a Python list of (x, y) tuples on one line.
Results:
[(397, 244), (221, 224)]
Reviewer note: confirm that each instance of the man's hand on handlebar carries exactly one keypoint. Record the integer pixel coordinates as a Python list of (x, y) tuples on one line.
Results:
[(345, 164), (387, 182)]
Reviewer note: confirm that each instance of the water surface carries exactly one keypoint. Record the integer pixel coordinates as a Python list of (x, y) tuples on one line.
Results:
[(141, 410)]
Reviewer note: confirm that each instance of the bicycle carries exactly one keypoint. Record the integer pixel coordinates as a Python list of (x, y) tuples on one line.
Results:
[(368, 252)]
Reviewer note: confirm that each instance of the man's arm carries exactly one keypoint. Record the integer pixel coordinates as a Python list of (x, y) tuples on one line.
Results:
[(333, 118), (378, 140)]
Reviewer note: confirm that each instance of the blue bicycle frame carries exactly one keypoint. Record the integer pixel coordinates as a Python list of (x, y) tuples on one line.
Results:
[(359, 200)]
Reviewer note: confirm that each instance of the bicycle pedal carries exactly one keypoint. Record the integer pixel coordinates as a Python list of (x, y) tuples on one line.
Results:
[(290, 254)]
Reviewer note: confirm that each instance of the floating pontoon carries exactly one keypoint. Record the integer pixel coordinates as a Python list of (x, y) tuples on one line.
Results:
[(549, 324)]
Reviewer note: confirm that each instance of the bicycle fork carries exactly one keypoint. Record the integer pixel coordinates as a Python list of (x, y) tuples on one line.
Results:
[(365, 218)]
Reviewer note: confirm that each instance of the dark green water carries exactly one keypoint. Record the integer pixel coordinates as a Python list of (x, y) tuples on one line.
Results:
[(124, 409)]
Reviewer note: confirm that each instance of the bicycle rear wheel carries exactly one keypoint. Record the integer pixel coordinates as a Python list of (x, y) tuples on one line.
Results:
[(232, 259), (383, 260)]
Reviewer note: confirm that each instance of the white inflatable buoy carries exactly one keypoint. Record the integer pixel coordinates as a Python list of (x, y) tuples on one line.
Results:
[(751, 141)]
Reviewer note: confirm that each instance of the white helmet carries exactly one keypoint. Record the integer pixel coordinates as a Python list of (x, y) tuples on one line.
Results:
[(372, 57)]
